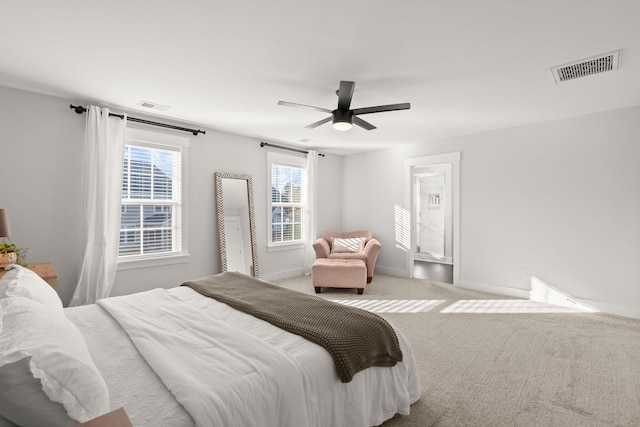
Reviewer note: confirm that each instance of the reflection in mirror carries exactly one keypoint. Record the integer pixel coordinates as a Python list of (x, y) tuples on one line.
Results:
[(236, 223)]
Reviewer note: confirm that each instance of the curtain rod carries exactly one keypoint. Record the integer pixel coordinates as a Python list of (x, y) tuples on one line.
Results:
[(80, 109), (266, 144)]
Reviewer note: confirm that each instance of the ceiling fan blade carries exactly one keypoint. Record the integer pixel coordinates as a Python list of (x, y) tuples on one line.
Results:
[(345, 93), (318, 123), (365, 125), (381, 108), (309, 107)]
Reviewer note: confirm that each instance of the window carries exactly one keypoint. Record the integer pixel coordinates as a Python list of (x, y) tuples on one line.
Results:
[(287, 178), (152, 198)]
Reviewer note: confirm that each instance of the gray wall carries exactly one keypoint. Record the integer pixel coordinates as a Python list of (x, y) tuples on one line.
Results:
[(41, 155), (40, 184), (560, 198)]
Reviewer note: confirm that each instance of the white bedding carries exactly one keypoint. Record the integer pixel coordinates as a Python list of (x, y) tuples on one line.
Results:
[(131, 382), (255, 373)]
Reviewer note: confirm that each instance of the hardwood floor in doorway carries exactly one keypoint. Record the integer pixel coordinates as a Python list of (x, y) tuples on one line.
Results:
[(433, 271)]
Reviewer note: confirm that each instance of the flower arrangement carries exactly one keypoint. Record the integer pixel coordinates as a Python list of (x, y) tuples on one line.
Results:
[(10, 254)]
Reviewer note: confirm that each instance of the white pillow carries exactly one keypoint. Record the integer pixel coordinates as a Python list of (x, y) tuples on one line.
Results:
[(353, 244), (47, 376), (22, 282)]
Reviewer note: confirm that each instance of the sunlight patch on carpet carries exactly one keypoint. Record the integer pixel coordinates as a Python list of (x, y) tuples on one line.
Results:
[(505, 306), (392, 306)]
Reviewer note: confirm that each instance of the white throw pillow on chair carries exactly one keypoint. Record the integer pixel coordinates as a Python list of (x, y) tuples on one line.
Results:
[(350, 245)]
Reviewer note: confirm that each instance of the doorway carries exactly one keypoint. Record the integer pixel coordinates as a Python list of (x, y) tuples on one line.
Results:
[(434, 271), (433, 193), (433, 214)]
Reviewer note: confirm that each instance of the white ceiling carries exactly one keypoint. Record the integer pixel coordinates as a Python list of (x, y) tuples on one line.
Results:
[(466, 66)]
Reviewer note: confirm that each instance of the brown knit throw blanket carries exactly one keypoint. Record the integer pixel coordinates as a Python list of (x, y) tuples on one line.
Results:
[(355, 338)]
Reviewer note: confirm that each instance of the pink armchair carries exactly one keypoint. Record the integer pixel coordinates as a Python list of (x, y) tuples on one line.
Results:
[(367, 251)]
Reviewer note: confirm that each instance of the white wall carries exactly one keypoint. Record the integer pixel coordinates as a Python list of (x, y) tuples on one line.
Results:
[(41, 164), (561, 199), (373, 193)]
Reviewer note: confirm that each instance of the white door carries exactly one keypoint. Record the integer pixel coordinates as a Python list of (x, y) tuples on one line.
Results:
[(235, 246)]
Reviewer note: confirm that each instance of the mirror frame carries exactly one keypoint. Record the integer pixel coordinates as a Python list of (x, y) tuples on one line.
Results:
[(222, 242)]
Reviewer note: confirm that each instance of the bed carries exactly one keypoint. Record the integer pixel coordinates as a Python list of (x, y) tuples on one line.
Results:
[(173, 357)]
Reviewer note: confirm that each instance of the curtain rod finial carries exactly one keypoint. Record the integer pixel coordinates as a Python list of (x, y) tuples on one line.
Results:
[(78, 109)]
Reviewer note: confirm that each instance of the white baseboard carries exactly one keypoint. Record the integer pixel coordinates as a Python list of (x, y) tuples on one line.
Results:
[(493, 289), (276, 275), (541, 291), (389, 271), (617, 310)]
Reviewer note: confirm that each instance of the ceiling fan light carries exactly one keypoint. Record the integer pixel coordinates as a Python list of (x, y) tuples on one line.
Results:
[(342, 126), (342, 120)]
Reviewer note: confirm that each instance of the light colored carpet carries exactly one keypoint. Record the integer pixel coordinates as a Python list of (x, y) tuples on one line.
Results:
[(487, 360)]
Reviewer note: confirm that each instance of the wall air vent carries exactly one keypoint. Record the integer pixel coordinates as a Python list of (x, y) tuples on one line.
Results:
[(153, 106), (586, 67)]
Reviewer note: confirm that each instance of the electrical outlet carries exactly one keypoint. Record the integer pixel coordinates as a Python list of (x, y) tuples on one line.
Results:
[(526, 274)]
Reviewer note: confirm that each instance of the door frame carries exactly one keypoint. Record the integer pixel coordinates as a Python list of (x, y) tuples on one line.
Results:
[(452, 158)]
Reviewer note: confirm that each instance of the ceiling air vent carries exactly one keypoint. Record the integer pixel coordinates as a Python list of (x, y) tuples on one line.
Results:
[(153, 106), (586, 67)]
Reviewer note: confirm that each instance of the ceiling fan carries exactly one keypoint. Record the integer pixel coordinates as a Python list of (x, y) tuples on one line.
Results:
[(343, 117)]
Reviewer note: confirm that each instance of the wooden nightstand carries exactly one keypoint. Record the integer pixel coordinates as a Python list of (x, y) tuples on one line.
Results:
[(44, 270)]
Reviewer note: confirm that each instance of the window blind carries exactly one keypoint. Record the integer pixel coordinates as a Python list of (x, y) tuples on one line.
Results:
[(286, 203), (151, 212)]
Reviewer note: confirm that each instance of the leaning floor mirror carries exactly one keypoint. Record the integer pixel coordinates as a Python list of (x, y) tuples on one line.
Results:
[(236, 223)]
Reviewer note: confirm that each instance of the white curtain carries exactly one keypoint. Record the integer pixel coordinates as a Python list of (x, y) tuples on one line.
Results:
[(311, 210), (103, 156)]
